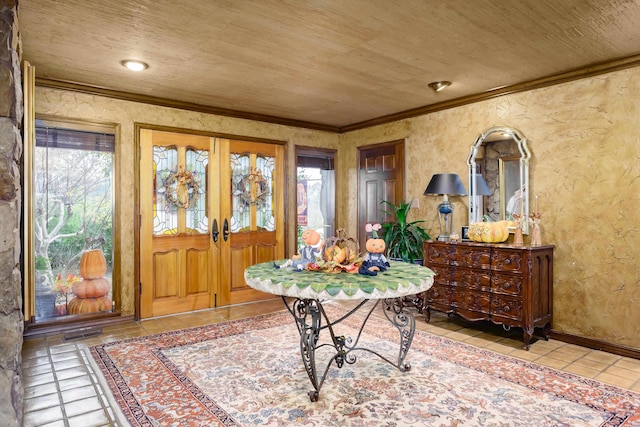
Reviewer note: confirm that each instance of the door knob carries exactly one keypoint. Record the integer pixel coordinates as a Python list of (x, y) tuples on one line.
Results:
[(214, 231), (225, 230)]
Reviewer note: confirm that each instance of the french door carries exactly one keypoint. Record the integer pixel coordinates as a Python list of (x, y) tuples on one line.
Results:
[(209, 208), (252, 214)]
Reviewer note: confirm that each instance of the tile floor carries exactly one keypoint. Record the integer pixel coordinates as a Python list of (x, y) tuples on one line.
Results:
[(61, 389)]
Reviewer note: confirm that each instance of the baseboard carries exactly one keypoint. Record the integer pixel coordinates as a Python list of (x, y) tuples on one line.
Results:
[(620, 350)]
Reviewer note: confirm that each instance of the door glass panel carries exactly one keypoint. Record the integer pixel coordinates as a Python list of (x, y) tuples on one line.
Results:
[(165, 213), (264, 193), (197, 162), (240, 192), (73, 174), (315, 191)]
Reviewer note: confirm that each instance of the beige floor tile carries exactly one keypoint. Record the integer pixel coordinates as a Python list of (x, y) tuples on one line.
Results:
[(500, 347), (563, 355), (602, 356), (592, 364), (552, 363), (478, 342), (615, 380), (583, 371), (627, 363), (525, 355), (621, 372)]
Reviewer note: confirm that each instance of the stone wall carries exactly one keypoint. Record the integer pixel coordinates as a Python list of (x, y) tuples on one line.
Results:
[(11, 319)]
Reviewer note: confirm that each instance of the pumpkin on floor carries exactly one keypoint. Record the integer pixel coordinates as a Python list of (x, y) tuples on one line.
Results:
[(89, 305), (93, 264), (92, 288)]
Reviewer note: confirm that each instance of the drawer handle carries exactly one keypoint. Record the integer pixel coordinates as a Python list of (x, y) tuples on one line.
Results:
[(507, 308), (507, 261), (436, 294), (507, 285)]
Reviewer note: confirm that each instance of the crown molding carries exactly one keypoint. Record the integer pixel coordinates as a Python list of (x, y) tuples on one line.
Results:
[(164, 102), (577, 74)]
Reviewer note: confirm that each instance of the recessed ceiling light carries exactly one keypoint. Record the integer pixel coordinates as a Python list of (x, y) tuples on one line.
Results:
[(438, 86), (134, 65)]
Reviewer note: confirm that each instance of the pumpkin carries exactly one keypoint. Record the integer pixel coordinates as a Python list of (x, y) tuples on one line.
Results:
[(335, 253), (489, 232), (93, 265), (92, 288), (375, 246), (340, 249), (89, 305)]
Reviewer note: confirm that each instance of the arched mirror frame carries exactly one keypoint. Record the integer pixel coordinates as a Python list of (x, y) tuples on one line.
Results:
[(475, 215)]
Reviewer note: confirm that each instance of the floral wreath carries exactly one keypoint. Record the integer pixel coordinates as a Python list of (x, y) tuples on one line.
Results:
[(246, 183), (185, 192)]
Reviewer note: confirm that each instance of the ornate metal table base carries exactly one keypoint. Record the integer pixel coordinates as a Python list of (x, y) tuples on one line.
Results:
[(311, 319)]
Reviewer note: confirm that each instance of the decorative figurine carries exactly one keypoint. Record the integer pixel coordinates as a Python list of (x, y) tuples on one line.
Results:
[(518, 238), (536, 235), (310, 252), (374, 259)]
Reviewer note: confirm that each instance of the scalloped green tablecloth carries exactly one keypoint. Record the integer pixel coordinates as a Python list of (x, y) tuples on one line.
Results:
[(399, 280)]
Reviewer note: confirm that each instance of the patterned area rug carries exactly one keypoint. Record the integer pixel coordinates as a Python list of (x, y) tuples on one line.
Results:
[(249, 372)]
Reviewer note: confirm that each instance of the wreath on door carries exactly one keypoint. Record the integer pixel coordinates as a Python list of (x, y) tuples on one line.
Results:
[(244, 186), (181, 188)]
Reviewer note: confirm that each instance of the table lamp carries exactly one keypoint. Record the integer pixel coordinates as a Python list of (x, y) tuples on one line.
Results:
[(445, 184)]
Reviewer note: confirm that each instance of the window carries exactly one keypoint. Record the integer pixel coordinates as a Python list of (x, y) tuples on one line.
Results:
[(73, 202), (315, 191)]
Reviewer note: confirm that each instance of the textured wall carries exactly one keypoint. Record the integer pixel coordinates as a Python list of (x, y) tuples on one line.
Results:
[(585, 168)]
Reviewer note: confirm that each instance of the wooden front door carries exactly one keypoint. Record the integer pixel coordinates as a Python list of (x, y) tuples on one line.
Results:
[(209, 208), (380, 177), (179, 262), (252, 214)]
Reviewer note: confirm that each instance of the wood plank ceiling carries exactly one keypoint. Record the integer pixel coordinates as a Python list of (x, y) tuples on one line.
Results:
[(327, 64)]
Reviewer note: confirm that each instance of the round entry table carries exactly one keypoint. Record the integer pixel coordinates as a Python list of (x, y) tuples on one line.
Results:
[(309, 289)]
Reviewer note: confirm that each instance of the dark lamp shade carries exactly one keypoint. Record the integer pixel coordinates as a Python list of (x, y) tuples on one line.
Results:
[(445, 184), (481, 188)]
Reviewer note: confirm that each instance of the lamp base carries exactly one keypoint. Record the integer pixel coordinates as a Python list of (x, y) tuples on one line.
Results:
[(445, 217)]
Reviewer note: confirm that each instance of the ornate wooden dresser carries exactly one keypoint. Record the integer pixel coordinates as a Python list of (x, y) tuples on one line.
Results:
[(504, 284)]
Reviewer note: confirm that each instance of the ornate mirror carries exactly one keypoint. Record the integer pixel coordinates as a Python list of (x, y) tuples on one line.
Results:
[(499, 155)]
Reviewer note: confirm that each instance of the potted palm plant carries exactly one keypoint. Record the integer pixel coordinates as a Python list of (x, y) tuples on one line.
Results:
[(404, 240)]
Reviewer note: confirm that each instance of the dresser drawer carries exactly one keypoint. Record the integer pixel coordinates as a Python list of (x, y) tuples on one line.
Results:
[(440, 294), (473, 279), (464, 299), (506, 307), (438, 254), (443, 274), (472, 256), (506, 284), (508, 260)]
